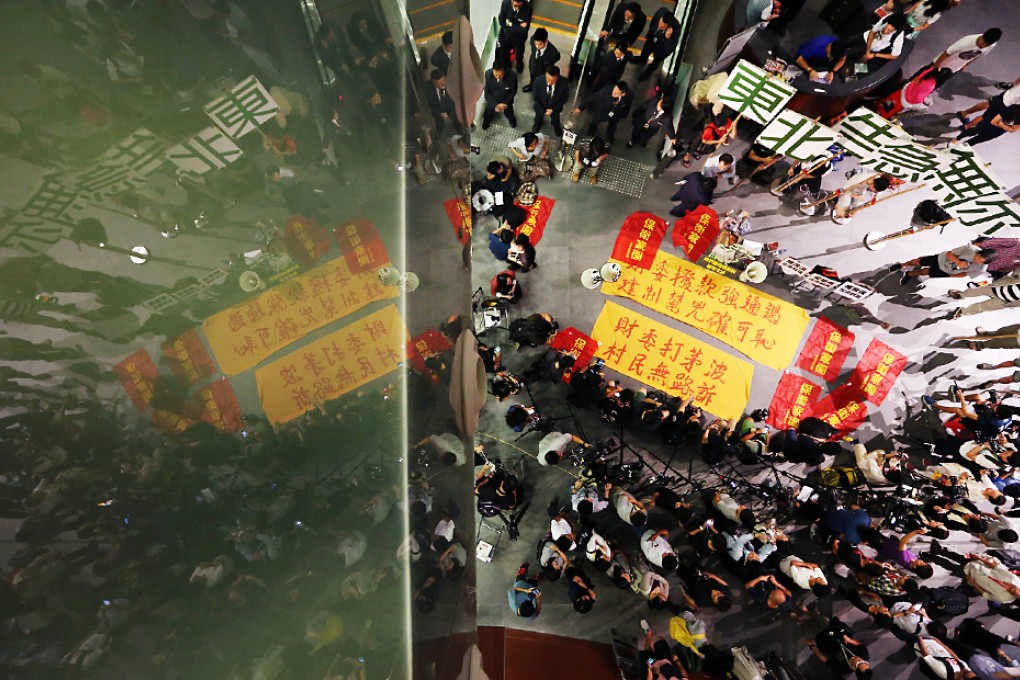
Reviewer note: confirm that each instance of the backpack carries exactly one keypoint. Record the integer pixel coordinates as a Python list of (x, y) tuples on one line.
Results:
[(520, 331), (841, 477), (930, 212), (746, 667), (945, 601)]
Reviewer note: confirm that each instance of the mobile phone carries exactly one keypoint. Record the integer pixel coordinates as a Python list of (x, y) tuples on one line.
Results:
[(650, 662)]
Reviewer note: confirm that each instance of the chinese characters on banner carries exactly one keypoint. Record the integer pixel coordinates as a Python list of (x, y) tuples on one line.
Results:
[(754, 93), (792, 401), (877, 370), (187, 357), (137, 373), (969, 191), (426, 345), (361, 245), (241, 110), (826, 349), (343, 361), (665, 359), (218, 406), (696, 231), (459, 214), (538, 215), (864, 133), (244, 335), (639, 240), (123, 166), (305, 240), (797, 137), (207, 150), (842, 408), (764, 328), (578, 345)]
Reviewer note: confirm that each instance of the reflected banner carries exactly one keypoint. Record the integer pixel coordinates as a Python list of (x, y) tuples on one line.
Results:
[(666, 359), (763, 328), (328, 368), (246, 334)]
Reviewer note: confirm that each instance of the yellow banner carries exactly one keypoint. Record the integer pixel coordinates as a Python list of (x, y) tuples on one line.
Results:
[(332, 366), (668, 360), (763, 328), (248, 333)]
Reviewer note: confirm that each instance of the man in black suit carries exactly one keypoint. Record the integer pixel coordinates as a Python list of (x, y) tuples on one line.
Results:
[(543, 55), (440, 59), (550, 93), (444, 111), (611, 66), (514, 22), (500, 90), (660, 42), (654, 115), (626, 25), (608, 105)]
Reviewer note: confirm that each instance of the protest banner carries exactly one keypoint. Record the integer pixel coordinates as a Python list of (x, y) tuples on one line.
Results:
[(842, 408), (538, 216), (793, 398), (826, 349), (754, 93), (639, 240), (877, 371), (459, 214), (696, 231), (361, 245)]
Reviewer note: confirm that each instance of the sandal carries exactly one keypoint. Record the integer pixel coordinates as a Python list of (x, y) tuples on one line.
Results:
[(687, 160)]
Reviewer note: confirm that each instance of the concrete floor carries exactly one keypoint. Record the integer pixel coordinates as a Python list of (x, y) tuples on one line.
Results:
[(582, 228)]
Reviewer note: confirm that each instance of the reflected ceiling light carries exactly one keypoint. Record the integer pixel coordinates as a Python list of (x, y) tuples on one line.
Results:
[(409, 282)]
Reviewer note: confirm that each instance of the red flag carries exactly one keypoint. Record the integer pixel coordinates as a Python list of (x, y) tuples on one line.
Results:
[(792, 400), (459, 214), (826, 349), (696, 231), (575, 343), (843, 408), (168, 421), (187, 357), (428, 344), (219, 406), (305, 240), (639, 240), (138, 375), (538, 215), (877, 370), (361, 245)]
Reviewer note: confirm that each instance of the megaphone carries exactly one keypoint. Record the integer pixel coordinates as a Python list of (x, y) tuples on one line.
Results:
[(755, 272), (389, 276), (250, 282)]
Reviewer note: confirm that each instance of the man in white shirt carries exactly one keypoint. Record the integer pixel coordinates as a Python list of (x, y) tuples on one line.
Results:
[(553, 447), (720, 165), (598, 551), (912, 619), (629, 509), (964, 51), (878, 466), (1003, 100), (807, 575), (657, 550), (553, 560), (859, 190), (991, 579), (586, 499)]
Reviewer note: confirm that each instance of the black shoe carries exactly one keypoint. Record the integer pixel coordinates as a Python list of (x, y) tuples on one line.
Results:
[(1004, 85), (485, 126), (630, 144), (520, 67), (905, 279), (895, 267), (526, 88), (513, 123)]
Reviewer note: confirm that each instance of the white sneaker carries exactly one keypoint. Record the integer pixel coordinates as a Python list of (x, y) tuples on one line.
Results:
[(645, 627)]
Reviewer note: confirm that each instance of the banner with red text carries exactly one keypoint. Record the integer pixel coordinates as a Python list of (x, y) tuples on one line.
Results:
[(877, 370), (538, 216), (764, 328), (639, 240), (246, 334), (343, 361), (826, 349), (459, 214), (361, 245), (793, 399), (696, 231), (218, 406), (663, 358), (138, 373), (842, 408), (187, 357)]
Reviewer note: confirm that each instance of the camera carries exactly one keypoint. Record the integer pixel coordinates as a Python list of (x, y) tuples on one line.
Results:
[(476, 149)]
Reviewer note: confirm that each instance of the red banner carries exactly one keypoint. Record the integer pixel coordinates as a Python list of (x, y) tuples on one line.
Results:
[(305, 240), (187, 357), (826, 349), (218, 406), (428, 344), (361, 245), (793, 399), (538, 215), (168, 421), (877, 371), (639, 240), (459, 214), (138, 375), (578, 345), (696, 232), (842, 408)]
